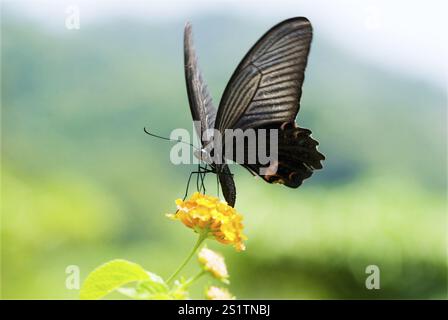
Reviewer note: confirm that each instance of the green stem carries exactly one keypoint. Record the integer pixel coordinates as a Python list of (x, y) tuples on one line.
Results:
[(202, 237), (193, 279)]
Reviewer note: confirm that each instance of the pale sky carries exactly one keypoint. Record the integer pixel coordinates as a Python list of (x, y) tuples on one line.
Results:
[(407, 35)]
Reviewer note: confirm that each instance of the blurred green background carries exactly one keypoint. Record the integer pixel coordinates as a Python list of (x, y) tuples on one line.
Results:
[(82, 184)]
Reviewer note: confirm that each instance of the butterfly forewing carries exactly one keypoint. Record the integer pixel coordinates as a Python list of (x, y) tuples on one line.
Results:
[(201, 105), (266, 86), (203, 111)]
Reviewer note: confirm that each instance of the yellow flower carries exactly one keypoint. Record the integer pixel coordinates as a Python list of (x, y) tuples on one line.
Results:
[(208, 214), (216, 293), (214, 263)]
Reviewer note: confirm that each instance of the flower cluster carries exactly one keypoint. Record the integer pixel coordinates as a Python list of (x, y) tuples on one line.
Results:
[(213, 262), (208, 214), (216, 293)]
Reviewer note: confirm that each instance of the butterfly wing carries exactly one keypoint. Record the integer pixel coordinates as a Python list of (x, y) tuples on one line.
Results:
[(264, 92), (201, 105), (203, 111)]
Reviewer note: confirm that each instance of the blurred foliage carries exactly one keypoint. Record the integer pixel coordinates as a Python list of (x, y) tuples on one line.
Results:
[(82, 184)]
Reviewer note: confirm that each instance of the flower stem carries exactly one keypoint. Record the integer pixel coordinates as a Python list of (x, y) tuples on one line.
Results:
[(202, 237), (193, 279)]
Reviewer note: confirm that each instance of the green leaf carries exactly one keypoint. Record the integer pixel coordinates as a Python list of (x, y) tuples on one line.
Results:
[(154, 285), (112, 275), (141, 294), (153, 289)]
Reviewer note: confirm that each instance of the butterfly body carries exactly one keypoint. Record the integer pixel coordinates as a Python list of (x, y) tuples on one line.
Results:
[(262, 94), (204, 156)]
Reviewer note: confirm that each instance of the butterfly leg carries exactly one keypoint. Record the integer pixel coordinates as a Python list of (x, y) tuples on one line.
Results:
[(197, 177), (189, 180), (200, 176), (217, 184), (204, 172), (188, 184)]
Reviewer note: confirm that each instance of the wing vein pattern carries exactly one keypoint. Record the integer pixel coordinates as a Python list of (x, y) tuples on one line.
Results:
[(266, 86), (199, 98)]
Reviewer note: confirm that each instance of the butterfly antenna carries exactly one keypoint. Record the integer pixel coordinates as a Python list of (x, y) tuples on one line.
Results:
[(168, 139)]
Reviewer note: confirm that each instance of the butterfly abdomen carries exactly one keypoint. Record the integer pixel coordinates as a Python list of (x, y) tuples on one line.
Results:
[(227, 183)]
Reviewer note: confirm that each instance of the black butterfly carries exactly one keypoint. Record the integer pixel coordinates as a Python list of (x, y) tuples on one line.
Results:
[(263, 93)]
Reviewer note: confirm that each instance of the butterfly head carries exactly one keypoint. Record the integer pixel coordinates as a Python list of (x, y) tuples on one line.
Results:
[(203, 155)]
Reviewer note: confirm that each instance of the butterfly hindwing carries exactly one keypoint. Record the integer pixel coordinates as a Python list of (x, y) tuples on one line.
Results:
[(298, 157)]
